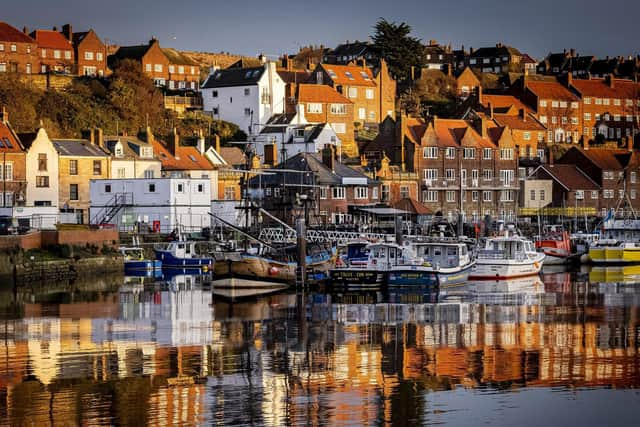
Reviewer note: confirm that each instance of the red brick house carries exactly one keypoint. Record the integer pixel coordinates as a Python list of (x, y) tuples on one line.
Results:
[(13, 181), (55, 51), (18, 51), (89, 51)]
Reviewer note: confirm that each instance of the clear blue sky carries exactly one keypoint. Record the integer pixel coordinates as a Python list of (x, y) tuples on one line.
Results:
[(273, 27)]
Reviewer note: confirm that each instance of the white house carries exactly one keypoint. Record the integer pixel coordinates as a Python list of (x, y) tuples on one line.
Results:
[(160, 204), (247, 97), (131, 157)]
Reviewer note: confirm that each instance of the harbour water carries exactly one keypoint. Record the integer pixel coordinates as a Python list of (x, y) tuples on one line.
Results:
[(561, 349)]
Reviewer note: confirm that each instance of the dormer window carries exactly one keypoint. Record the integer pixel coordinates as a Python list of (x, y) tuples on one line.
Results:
[(119, 152)]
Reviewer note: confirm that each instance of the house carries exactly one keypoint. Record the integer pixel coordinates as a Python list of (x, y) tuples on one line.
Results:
[(13, 179), (555, 106), (498, 59), (41, 172), (438, 57), (373, 96), (79, 161), (529, 64), (336, 189), (55, 51), (228, 175), (323, 104), (153, 204), (90, 52), (612, 169), (18, 51), (609, 104), (131, 157), (573, 192), (247, 97), (347, 52), (167, 67), (396, 184), (467, 83)]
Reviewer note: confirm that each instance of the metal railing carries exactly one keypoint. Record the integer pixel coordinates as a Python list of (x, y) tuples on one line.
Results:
[(111, 208)]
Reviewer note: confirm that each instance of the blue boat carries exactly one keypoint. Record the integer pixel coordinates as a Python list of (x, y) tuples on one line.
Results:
[(182, 255), (135, 262)]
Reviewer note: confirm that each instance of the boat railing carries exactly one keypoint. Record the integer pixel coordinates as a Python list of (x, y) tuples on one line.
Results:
[(500, 255)]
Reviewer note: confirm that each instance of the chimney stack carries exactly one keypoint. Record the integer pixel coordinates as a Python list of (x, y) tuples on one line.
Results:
[(201, 142), (149, 135), (216, 143), (271, 154), (174, 143), (4, 115), (262, 58), (89, 135), (610, 80), (490, 110), (25, 30), (523, 114), (480, 95), (98, 137), (483, 127), (328, 157), (67, 31)]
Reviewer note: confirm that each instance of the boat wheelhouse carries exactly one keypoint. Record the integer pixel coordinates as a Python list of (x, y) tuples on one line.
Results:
[(555, 244), (507, 257), (134, 260), (182, 254)]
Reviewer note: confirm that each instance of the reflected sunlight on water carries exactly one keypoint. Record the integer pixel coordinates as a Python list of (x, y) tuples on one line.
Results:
[(555, 349)]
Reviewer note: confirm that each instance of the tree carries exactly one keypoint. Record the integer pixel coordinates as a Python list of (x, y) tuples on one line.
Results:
[(393, 43)]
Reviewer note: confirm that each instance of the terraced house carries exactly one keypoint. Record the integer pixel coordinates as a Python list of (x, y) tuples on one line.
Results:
[(18, 51), (55, 51), (12, 166)]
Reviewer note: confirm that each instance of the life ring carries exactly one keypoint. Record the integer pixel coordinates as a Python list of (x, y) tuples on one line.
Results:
[(273, 271)]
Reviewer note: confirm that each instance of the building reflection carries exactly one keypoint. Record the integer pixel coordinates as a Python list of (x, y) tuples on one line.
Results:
[(180, 356)]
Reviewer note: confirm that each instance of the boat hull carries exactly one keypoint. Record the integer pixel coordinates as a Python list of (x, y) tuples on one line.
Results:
[(508, 270), (614, 255), (418, 276), (142, 265), (357, 277), (169, 261), (554, 259)]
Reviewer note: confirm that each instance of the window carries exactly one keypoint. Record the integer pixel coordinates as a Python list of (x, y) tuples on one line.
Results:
[(486, 153), (8, 172), (542, 195), (506, 154), (431, 174), (533, 195), (451, 196), (323, 193), (73, 191), (430, 152), (486, 196), (247, 111), (543, 103), (605, 101), (247, 91), (472, 61), (369, 93), (404, 192), (314, 107), (633, 177), (362, 193), (450, 174), (338, 193), (386, 193), (450, 153), (42, 162), (67, 54), (554, 104), (594, 194), (229, 193), (374, 193), (200, 188), (607, 194), (56, 54), (97, 167), (574, 105), (157, 68), (353, 92), (526, 136), (180, 69), (564, 120), (3, 67), (339, 128), (607, 175), (487, 174), (629, 118), (372, 115), (214, 93), (1, 47), (469, 153), (579, 194), (107, 188), (99, 56), (28, 68), (88, 56), (338, 109), (616, 117), (44, 53), (543, 119), (73, 167), (507, 176), (474, 196), (430, 196), (42, 181), (587, 100), (633, 194), (362, 113), (598, 101), (172, 69), (121, 173), (587, 116), (507, 195)]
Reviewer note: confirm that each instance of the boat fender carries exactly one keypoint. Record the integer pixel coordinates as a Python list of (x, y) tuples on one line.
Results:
[(273, 271)]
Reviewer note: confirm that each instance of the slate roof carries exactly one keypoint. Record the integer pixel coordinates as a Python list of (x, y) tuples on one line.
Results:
[(50, 39), (11, 34), (278, 119), (294, 76), (131, 52), (230, 77), (233, 156), (129, 144), (356, 49), (77, 148), (602, 67), (495, 51), (570, 177), (78, 37)]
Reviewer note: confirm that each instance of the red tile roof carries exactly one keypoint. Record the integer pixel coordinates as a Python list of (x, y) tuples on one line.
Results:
[(338, 74), (551, 90), (412, 205), (570, 176), (415, 129), (502, 103), (49, 39), (451, 131), (11, 34), (516, 122), (320, 94), (605, 159), (6, 135), (187, 158), (622, 89)]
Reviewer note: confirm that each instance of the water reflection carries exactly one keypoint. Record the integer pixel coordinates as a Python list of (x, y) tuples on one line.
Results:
[(174, 352)]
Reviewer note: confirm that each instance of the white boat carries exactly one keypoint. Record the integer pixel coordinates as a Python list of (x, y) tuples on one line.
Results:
[(438, 264), (507, 257)]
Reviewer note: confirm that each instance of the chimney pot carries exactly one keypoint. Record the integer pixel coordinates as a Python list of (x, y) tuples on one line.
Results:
[(25, 30), (328, 157), (67, 31), (4, 115)]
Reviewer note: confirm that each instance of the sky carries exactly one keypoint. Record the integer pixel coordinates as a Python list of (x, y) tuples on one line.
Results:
[(273, 27)]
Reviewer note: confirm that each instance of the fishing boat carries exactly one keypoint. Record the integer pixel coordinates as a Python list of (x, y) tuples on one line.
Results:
[(507, 257), (354, 253), (437, 264), (619, 244), (580, 244), (381, 258), (182, 255), (135, 262), (555, 244)]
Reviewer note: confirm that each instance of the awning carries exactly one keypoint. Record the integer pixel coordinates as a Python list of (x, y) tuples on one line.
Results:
[(383, 211)]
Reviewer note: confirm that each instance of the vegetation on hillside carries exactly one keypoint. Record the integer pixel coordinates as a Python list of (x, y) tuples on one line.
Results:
[(126, 101)]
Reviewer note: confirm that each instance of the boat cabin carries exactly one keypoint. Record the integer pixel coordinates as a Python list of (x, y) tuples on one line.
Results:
[(386, 255), (506, 248), (443, 255), (182, 249)]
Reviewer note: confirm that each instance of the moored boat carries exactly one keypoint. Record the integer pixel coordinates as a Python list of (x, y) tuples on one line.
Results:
[(555, 244), (507, 257), (134, 260), (182, 255)]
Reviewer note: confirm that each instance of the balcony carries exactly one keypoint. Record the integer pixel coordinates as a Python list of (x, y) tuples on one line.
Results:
[(181, 104), (470, 184)]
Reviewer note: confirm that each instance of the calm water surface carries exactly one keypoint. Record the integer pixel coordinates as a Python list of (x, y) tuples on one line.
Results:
[(561, 349)]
